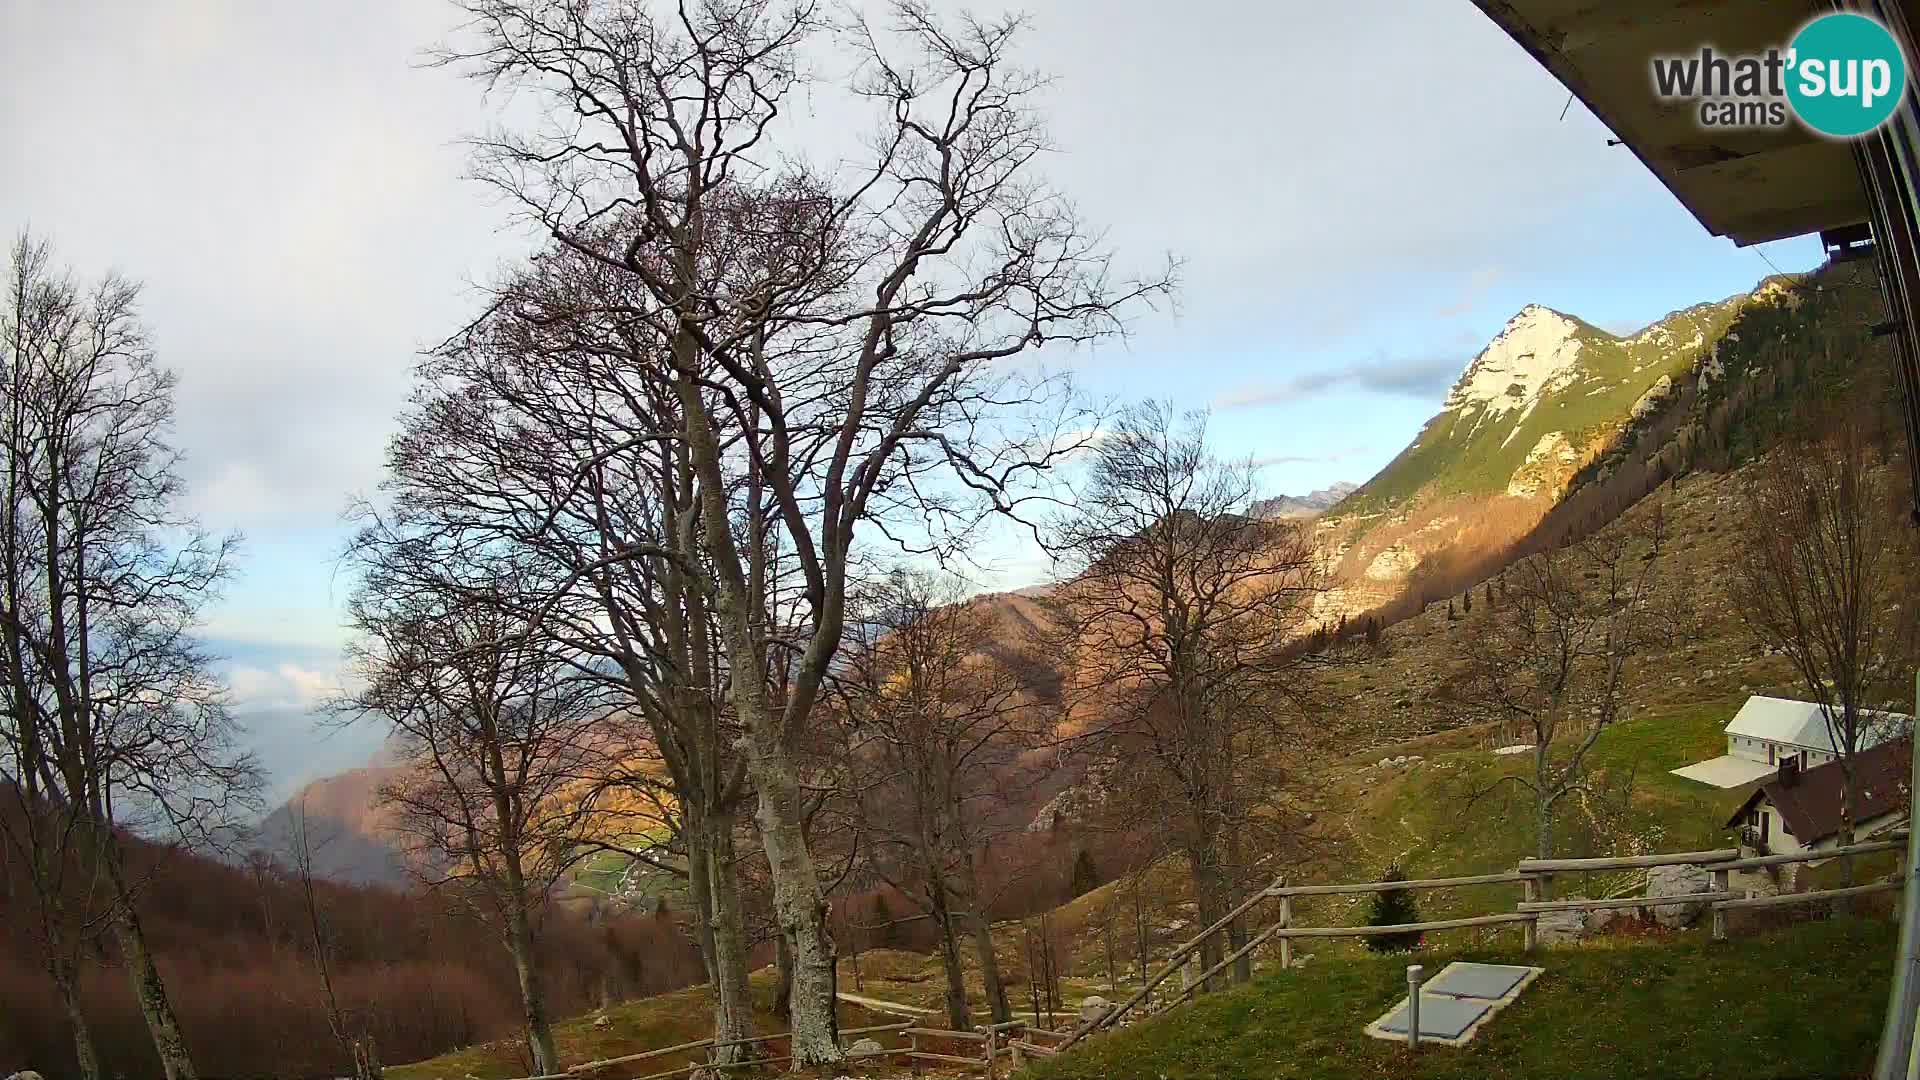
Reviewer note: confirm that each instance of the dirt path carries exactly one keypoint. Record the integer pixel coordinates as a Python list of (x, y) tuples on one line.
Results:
[(894, 1008)]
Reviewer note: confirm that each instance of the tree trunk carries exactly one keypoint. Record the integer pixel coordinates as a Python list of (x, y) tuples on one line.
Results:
[(700, 893), (798, 909), (533, 994), (1543, 826), (66, 982), (957, 1012), (1209, 891), (1846, 905), (782, 973), (732, 1003), (991, 981), (1140, 926), (1237, 937), (1106, 932), (148, 988), (151, 991), (990, 978), (1236, 930)]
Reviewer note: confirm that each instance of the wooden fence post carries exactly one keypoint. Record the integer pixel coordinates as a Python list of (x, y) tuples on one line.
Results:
[(1532, 893), (1286, 943), (1720, 878), (990, 1034)]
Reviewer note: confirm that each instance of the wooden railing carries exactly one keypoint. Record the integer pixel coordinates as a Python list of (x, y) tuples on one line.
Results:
[(753, 1042), (1535, 876), (994, 1040), (1721, 863)]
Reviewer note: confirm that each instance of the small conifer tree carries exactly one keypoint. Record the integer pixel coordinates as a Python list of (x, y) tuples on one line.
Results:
[(1466, 601), (1391, 908), (1085, 878)]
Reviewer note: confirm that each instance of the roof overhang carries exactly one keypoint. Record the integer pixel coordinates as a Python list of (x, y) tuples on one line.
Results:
[(1749, 185)]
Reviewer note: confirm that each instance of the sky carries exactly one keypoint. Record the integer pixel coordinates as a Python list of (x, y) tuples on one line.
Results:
[(1361, 193)]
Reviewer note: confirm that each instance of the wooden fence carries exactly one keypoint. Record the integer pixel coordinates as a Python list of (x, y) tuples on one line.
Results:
[(1535, 876), (996, 1042)]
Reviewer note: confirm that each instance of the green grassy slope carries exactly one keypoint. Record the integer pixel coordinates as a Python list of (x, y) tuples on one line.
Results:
[(1448, 815), (1801, 1002)]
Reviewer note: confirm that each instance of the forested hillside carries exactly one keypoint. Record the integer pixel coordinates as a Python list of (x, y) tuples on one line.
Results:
[(418, 974)]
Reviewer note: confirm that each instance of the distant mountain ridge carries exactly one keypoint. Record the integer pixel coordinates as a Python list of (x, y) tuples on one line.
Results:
[(1308, 505), (347, 832)]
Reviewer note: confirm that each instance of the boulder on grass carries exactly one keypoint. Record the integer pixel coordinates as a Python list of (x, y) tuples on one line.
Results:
[(1678, 880), (1560, 927), (1094, 1008), (866, 1046)]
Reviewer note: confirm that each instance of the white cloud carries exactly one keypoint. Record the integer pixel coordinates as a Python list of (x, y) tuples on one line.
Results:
[(1331, 457), (286, 686), (1415, 377)]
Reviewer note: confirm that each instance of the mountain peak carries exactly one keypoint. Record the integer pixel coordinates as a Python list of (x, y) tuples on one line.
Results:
[(1308, 505), (1537, 351)]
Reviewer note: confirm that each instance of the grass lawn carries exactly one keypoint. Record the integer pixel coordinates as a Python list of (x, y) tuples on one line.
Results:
[(1801, 1002)]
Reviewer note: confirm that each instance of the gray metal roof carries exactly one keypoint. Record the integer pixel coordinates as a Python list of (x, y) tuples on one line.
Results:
[(1801, 724)]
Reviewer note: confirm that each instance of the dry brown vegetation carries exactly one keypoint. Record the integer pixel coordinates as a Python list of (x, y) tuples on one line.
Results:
[(410, 971)]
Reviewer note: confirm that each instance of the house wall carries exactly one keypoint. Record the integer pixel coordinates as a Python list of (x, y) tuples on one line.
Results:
[(1742, 746), (1779, 840), (1753, 749)]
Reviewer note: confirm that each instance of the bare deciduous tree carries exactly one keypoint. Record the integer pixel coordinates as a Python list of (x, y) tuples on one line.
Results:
[(1551, 662), (939, 718), (496, 737), (832, 341), (1179, 622), (541, 436), (1818, 579), (112, 715), (301, 850)]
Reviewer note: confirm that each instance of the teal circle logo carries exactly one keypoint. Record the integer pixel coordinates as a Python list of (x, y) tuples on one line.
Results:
[(1846, 75)]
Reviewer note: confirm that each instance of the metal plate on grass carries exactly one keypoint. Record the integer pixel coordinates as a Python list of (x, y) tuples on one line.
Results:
[(1488, 981), (1440, 1017)]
